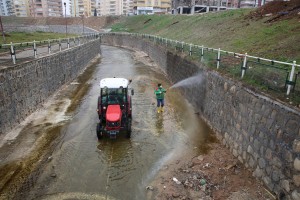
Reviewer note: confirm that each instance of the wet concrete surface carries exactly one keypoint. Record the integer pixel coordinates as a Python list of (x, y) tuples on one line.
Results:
[(81, 167)]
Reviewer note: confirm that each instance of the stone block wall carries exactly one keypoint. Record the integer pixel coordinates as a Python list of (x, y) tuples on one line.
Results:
[(262, 133), (24, 87)]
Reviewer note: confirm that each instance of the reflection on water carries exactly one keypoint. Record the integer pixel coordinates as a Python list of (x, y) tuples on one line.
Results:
[(159, 124)]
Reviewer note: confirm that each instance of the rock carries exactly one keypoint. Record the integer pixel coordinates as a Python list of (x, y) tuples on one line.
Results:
[(262, 163), (258, 172), (207, 165), (268, 15), (296, 146), (176, 181), (295, 195), (175, 195), (297, 164), (186, 183), (296, 179), (225, 86), (203, 188), (53, 175), (233, 89), (190, 165), (286, 185), (149, 188), (200, 158), (165, 187)]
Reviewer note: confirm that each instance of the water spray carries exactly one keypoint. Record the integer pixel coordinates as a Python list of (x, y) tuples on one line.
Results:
[(193, 80)]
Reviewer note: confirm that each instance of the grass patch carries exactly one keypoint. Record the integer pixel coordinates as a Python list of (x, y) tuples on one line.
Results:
[(229, 30), (18, 37)]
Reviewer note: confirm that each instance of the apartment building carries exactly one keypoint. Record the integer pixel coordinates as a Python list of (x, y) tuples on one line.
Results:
[(55, 8), (151, 6), (200, 6), (6, 7), (85, 8), (115, 7), (45, 8), (95, 5), (253, 3), (127, 7), (21, 8), (110, 7)]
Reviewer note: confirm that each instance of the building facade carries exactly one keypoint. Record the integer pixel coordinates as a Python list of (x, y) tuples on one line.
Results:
[(115, 7), (45, 8), (21, 8), (151, 6), (200, 6), (6, 7)]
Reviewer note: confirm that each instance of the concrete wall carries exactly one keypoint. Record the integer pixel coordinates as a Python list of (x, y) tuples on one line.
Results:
[(262, 133), (24, 87)]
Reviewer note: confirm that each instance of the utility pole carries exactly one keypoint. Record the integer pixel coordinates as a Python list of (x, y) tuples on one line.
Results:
[(82, 17), (66, 19)]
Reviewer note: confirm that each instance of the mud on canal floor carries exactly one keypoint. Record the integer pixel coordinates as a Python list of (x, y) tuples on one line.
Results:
[(57, 155)]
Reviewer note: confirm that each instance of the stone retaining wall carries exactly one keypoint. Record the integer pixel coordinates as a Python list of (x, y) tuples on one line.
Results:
[(262, 133), (24, 87)]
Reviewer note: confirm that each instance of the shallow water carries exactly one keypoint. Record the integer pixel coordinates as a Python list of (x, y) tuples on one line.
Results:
[(86, 168)]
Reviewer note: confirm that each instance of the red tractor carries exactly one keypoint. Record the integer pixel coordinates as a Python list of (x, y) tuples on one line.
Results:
[(114, 107)]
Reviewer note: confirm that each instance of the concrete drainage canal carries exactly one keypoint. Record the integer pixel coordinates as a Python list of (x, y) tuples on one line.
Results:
[(81, 167)]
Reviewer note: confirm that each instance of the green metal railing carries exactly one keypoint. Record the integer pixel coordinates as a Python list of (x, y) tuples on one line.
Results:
[(274, 76)]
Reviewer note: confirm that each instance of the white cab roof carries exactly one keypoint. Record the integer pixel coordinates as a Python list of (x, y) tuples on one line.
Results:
[(114, 82)]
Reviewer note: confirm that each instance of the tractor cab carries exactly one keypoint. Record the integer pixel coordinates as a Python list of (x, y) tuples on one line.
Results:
[(114, 107)]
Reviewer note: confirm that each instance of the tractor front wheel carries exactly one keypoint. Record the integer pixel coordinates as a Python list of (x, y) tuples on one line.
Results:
[(128, 128), (99, 131)]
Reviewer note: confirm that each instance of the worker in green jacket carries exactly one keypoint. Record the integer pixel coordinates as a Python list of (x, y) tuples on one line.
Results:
[(160, 95)]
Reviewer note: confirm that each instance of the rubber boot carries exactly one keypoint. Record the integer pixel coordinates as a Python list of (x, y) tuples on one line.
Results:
[(162, 109), (158, 109)]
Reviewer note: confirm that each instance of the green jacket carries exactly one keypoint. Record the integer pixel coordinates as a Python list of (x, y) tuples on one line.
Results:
[(160, 93)]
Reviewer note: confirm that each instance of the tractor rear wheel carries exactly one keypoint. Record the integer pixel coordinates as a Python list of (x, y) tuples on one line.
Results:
[(99, 131), (128, 134)]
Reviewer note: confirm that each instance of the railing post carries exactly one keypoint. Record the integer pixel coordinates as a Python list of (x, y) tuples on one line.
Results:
[(291, 78), (34, 49), (68, 43), (218, 58), (244, 67), (190, 52), (13, 53), (59, 44), (182, 47), (49, 46)]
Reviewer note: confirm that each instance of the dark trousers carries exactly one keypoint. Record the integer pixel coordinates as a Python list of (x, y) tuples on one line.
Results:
[(160, 102)]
